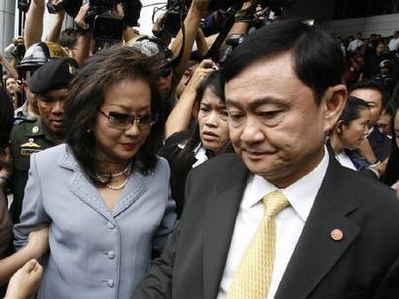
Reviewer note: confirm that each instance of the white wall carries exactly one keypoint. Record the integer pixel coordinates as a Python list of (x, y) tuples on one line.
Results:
[(7, 16), (383, 24), (145, 20)]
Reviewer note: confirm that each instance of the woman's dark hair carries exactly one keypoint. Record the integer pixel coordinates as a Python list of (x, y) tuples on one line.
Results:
[(87, 92), (317, 57), (6, 119), (352, 109)]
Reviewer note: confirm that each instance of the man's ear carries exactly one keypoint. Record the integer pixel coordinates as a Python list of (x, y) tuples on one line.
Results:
[(333, 101)]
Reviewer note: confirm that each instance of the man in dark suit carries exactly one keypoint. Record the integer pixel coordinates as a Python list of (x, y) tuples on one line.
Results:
[(337, 238)]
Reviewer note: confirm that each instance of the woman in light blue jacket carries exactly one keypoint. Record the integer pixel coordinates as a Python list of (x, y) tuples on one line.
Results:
[(104, 194)]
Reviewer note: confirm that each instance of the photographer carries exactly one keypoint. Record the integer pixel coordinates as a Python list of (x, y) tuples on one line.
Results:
[(76, 44), (172, 64), (108, 22), (182, 114), (197, 10)]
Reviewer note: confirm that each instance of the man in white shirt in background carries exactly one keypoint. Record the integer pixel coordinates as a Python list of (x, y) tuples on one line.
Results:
[(356, 43)]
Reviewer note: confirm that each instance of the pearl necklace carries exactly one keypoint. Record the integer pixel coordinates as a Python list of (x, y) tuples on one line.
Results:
[(118, 187), (126, 172)]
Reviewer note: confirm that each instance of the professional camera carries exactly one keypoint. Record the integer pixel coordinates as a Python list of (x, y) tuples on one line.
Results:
[(176, 10), (106, 27), (270, 7)]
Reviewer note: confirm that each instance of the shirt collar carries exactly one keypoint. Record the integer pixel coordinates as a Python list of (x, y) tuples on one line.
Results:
[(199, 153), (300, 194)]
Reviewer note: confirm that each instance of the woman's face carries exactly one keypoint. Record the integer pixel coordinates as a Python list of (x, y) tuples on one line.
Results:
[(212, 121), (115, 144), (356, 131)]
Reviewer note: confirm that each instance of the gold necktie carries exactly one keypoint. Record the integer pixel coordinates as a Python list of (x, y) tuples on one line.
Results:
[(253, 275)]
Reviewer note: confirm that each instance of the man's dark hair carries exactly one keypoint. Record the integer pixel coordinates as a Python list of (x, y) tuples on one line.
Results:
[(68, 38), (371, 84), (318, 58), (87, 93)]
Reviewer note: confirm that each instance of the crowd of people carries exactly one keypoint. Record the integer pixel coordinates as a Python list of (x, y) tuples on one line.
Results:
[(155, 167)]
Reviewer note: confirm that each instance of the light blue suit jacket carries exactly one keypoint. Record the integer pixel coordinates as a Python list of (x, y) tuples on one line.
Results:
[(94, 253)]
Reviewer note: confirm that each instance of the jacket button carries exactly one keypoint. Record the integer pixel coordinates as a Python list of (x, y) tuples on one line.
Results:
[(110, 225), (111, 283), (111, 255)]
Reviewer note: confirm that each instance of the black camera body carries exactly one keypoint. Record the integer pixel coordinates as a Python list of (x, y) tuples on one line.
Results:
[(98, 7), (132, 9), (176, 10), (23, 5), (106, 27)]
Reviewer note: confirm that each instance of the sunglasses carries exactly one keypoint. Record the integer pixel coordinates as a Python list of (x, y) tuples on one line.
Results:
[(123, 121)]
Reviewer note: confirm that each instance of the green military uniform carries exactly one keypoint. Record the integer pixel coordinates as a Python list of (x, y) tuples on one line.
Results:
[(31, 135), (27, 137)]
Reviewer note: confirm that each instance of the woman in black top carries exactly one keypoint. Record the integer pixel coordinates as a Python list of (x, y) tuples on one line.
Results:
[(209, 136)]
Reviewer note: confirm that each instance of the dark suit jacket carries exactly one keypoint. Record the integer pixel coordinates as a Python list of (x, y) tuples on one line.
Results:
[(170, 151), (380, 144), (363, 264)]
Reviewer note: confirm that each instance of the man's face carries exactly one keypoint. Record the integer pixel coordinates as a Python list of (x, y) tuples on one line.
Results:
[(275, 124), (51, 107), (373, 97), (381, 48), (384, 124)]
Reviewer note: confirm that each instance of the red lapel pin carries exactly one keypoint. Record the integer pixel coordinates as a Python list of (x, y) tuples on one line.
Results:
[(337, 234)]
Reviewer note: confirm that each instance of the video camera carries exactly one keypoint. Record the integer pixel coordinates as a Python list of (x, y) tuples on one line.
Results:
[(106, 27)]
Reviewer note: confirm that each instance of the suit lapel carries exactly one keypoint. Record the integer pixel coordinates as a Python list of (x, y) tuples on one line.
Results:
[(87, 193), (220, 216), (80, 185), (317, 251)]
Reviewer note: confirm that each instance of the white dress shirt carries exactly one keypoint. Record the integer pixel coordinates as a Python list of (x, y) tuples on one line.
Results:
[(289, 222), (199, 153), (353, 45), (344, 160), (393, 44)]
